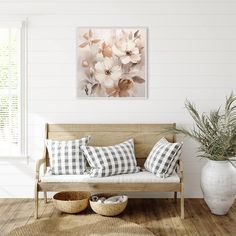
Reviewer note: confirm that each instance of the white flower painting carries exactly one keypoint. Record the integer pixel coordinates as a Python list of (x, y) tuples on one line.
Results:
[(111, 62)]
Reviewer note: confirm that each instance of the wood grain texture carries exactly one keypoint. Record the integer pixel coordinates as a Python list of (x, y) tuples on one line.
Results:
[(108, 127), (161, 216), (93, 187)]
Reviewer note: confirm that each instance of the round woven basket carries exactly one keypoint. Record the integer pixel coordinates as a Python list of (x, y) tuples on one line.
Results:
[(71, 202), (108, 209)]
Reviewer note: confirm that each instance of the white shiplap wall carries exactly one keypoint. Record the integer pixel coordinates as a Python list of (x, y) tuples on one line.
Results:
[(191, 54)]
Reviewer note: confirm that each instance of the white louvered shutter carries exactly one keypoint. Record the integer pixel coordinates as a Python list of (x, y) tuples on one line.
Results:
[(10, 91)]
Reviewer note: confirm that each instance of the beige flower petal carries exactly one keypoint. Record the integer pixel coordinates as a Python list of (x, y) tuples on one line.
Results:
[(106, 50), (99, 67), (117, 52), (125, 84), (82, 45), (123, 46), (130, 45), (108, 63), (135, 50), (135, 58), (85, 63), (125, 59), (99, 77), (86, 35), (124, 93), (138, 79), (108, 83), (116, 68), (116, 75), (99, 57), (96, 40)]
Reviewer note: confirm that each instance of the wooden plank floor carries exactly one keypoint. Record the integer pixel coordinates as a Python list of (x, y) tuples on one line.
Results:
[(161, 216)]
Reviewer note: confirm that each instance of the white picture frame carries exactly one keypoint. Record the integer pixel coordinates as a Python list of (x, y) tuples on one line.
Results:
[(111, 62)]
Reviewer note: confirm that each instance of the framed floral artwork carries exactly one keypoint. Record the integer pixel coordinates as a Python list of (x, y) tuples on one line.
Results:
[(111, 62)]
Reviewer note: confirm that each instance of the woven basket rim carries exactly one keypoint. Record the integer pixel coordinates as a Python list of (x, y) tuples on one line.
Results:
[(106, 194), (107, 204), (85, 196)]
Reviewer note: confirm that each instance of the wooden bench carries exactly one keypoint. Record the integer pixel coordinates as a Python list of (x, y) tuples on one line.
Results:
[(145, 136)]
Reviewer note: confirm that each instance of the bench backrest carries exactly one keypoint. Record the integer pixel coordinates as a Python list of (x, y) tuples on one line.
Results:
[(145, 135)]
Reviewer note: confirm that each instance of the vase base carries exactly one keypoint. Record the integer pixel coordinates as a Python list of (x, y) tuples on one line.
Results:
[(219, 207), (218, 213)]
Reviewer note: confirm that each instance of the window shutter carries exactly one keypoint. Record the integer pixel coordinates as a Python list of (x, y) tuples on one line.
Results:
[(10, 91)]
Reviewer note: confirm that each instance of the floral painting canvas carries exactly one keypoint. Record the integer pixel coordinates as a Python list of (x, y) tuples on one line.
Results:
[(111, 62)]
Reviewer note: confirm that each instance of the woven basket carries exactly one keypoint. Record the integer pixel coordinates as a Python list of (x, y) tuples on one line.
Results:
[(108, 209), (71, 202)]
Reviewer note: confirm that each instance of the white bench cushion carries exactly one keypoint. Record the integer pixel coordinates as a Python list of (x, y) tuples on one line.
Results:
[(140, 177)]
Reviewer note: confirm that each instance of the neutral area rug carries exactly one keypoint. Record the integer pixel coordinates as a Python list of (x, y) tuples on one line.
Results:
[(82, 225)]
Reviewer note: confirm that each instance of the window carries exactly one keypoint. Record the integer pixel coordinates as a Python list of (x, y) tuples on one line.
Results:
[(12, 90)]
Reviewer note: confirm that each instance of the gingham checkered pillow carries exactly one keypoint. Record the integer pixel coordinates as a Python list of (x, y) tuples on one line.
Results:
[(163, 158), (111, 160), (66, 157)]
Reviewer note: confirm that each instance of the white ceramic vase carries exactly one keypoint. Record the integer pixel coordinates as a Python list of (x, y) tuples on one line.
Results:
[(217, 183)]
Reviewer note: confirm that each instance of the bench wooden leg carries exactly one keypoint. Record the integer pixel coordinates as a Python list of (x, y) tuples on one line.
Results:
[(36, 200), (182, 201), (175, 197), (45, 197)]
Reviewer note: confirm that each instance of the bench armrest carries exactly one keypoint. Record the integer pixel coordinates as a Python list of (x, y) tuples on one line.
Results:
[(38, 164)]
